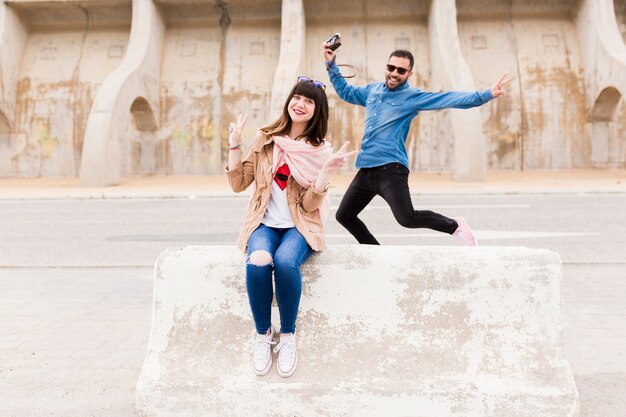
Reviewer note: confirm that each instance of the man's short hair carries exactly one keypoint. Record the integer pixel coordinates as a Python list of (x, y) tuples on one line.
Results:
[(402, 53)]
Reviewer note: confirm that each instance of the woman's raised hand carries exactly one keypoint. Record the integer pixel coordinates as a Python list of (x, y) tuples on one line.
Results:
[(332, 164), (338, 159), (235, 129)]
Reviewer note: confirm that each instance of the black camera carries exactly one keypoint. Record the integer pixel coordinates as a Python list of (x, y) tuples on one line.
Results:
[(334, 42)]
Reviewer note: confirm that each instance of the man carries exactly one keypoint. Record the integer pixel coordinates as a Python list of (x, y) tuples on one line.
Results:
[(390, 107)]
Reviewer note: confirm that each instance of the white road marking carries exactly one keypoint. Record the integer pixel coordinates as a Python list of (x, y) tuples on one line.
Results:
[(480, 234), (448, 206)]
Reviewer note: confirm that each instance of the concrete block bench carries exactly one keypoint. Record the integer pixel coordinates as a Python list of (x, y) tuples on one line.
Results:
[(382, 332)]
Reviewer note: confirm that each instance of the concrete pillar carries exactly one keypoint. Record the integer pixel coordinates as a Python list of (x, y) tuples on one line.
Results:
[(13, 35), (602, 48), (604, 59), (451, 72), (136, 78), (292, 54)]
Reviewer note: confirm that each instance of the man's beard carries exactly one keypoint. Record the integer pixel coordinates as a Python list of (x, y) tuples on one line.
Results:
[(398, 85)]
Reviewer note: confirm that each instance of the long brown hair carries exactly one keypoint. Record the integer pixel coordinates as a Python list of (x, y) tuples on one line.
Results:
[(315, 131)]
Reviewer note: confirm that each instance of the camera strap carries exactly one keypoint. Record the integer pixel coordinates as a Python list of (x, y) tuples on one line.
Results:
[(340, 74)]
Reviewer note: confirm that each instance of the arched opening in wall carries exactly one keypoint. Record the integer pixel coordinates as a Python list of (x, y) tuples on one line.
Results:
[(143, 115), (607, 137), (5, 147), (143, 143)]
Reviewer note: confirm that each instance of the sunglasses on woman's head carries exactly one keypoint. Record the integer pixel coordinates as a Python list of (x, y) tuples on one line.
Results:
[(392, 68), (316, 83)]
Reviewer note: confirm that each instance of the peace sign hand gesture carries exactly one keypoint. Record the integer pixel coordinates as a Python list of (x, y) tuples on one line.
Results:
[(498, 88), (235, 129), (332, 165), (337, 160)]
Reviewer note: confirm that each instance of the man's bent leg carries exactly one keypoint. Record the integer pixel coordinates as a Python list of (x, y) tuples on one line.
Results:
[(393, 180), (357, 197)]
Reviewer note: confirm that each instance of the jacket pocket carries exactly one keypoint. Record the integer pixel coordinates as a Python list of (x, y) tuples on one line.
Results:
[(372, 98)]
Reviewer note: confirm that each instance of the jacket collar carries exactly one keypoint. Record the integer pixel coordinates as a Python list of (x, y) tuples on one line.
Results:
[(260, 143)]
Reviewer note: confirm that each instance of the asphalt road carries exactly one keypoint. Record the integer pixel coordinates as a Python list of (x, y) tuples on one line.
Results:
[(582, 228)]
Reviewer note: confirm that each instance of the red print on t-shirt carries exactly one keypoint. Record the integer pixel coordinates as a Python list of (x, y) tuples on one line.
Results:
[(282, 175)]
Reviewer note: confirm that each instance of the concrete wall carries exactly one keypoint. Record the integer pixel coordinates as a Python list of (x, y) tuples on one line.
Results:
[(68, 50), (211, 71), (168, 99), (540, 123)]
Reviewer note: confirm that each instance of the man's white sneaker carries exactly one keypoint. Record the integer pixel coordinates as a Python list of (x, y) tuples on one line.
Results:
[(287, 355), (463, 233), (262, 358)]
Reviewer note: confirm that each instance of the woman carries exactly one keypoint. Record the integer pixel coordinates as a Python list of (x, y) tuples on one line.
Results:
[(290, 164)]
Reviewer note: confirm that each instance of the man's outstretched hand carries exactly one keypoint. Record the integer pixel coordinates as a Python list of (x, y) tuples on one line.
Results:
[(498, 88)]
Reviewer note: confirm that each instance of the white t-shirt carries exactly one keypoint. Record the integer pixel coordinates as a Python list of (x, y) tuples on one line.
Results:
[(277, 213)]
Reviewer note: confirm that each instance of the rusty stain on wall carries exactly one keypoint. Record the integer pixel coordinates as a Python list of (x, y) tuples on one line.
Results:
[(555, 139), (504, 138), (47, 142)]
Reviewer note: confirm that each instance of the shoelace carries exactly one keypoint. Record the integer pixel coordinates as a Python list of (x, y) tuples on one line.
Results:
[(281, 344), (268, 342)]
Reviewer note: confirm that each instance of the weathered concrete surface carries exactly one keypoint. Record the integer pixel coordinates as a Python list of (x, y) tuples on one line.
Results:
[(108, 149), (391, 331)]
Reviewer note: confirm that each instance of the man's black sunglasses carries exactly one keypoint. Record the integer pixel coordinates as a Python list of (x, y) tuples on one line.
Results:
[(392, 68)]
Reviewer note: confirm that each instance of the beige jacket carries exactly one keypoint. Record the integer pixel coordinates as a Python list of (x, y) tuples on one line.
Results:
[(304, 203)]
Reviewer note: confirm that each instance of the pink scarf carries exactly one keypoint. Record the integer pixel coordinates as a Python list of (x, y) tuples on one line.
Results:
[(305, 162)]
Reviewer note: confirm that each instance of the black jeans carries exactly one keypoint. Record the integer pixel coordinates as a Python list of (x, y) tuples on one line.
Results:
[(391, 182)]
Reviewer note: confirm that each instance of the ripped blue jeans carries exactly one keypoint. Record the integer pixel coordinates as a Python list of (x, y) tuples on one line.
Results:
[(288, 250)]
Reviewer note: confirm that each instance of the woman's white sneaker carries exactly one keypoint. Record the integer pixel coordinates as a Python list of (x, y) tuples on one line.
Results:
[(287, 355), (262, 357)]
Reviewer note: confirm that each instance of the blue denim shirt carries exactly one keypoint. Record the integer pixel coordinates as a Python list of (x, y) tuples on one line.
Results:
[(389, 113)]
